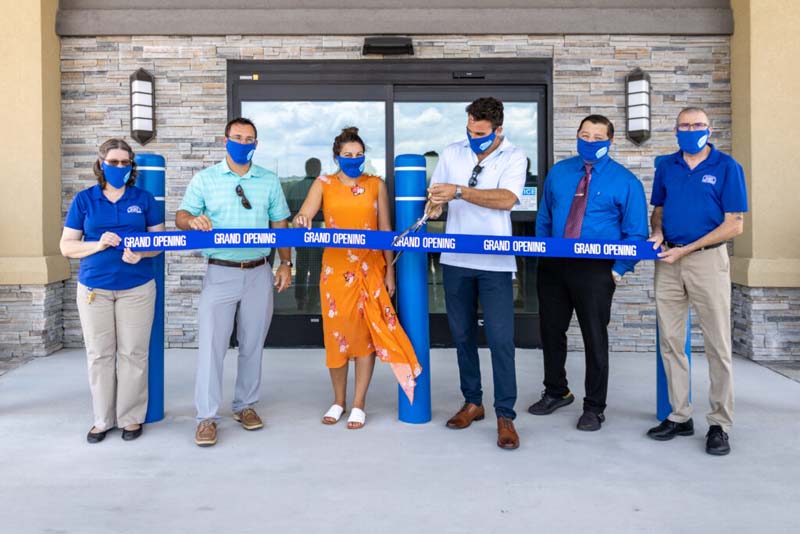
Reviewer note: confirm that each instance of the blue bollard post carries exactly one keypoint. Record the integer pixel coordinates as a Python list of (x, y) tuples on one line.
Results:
[(152, 178), (663, 406), (412, 283)]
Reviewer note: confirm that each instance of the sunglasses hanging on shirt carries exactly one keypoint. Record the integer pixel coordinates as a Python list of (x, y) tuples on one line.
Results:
[(245, 202), (473, 180)]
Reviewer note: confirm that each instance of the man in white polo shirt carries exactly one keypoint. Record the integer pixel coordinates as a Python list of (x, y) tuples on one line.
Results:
[(481, 178)]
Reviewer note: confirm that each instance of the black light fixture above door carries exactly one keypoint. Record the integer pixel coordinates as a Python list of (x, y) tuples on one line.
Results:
[(388, 46)]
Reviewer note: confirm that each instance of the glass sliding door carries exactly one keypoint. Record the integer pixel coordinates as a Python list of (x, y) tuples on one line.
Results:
[(295, 141), (400, 106)]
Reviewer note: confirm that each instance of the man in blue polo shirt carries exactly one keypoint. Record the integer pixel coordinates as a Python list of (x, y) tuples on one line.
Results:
[(700, 199), (588, 196), (234, 193)]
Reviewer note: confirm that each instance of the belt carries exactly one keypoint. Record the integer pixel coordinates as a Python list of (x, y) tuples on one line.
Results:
[(709, 247), (252, 264)]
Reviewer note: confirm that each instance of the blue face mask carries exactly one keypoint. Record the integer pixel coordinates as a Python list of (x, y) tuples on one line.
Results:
[(116, 176), (240, 153), (352, 167), (481, 144), (692, 141), (593, 151)]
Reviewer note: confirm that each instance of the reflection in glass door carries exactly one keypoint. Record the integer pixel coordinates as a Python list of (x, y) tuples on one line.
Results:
[(400, 106), (427, 128), (295, 139)]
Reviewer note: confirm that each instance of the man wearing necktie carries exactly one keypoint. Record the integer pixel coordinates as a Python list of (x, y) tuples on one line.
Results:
[(588, 196)]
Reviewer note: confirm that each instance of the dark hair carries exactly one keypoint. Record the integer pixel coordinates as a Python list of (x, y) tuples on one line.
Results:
[(103, 151), (599, 119), (244, 122), (348, 135), (313, 167), (487, 109)]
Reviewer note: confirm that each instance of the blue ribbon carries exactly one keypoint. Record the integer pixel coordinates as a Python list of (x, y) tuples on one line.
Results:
[(324, 237)]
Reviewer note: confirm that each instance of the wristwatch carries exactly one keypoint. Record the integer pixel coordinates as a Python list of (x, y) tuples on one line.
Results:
[(458, 193), (287, 263)]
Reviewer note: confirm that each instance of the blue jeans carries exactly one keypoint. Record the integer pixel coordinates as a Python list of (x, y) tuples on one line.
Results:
[(462, 288)]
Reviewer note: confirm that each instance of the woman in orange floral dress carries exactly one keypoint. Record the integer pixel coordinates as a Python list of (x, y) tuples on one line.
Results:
[(356, 285)]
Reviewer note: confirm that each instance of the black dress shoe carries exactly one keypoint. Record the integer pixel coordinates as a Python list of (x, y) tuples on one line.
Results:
[(548, 404), (717, 441), (669, 429), (96, 437), (591, 421), (130, 435)]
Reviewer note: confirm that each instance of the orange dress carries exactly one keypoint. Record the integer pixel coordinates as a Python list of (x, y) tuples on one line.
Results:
[(358, 318)]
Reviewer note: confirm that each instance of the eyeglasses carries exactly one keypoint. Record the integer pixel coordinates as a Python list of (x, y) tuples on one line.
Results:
[(245, 140), (118, 162), (473, 180), (245, 202), (685, 126)]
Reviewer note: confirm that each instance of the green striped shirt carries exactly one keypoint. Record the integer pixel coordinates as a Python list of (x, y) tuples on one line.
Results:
[(212, 192)]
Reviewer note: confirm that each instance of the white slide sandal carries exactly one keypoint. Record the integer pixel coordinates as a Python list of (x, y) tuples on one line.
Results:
[(358, 417), (333, 415)]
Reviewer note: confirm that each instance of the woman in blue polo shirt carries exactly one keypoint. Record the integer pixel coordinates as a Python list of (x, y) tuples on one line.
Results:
[(116, 289)]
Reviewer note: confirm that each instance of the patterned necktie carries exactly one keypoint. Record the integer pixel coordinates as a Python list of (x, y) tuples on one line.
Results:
[(572, 229)]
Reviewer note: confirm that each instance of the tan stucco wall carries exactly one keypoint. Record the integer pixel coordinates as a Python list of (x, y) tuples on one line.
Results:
[(765, 87), (30, 145)]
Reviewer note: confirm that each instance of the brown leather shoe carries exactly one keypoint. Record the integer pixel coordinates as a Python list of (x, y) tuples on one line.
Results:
[(249, 419), (507, 437), (206, 434), (466, 415)]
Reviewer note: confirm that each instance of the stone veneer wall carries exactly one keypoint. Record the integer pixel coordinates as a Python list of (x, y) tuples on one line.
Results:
[(191, 105), (31, 319), (766, 322)]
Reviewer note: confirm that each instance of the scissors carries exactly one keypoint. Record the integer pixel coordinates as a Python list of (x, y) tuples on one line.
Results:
[(414, 228)]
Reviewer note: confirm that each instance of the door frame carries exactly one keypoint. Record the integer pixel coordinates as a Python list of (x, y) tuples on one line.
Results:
[(390, 81)]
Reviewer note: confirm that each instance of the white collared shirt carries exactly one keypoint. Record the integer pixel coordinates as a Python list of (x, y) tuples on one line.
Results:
[(505, 168)]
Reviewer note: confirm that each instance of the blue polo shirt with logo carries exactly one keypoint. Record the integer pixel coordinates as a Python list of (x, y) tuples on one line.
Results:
[(93, 214), (695, 201)]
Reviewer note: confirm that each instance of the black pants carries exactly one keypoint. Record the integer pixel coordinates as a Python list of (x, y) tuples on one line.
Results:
[(587, 287)]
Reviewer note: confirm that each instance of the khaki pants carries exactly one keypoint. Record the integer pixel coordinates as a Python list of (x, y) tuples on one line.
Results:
[(116, 330), (703, 279)]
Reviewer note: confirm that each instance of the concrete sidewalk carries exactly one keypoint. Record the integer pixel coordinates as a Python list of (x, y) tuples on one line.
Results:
[(297, 475)]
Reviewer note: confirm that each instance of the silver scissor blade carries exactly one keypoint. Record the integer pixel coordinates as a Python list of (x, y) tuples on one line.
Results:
[(405, 232), (421, 222), (413, 228)]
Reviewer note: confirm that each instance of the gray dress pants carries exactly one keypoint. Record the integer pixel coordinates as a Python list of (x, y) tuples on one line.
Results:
[(223, 289)]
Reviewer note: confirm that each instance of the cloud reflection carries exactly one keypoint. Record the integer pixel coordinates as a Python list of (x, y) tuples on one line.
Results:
[(292, 132)]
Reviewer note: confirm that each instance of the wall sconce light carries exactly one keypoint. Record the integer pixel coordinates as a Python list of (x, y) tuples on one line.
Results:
[(637, 106), (143, 105)]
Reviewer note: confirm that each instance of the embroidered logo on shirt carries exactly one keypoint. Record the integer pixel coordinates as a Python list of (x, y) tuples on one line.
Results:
[(709, 179), (134, 209)]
